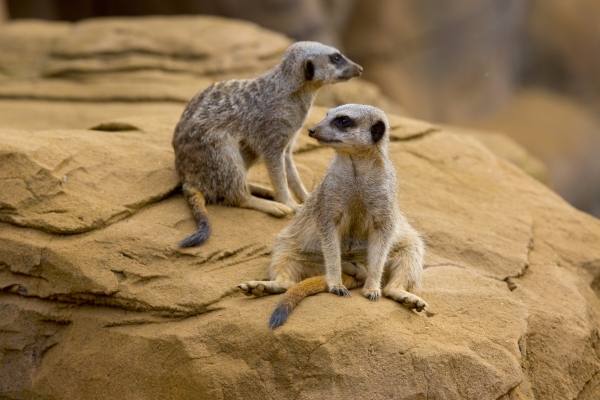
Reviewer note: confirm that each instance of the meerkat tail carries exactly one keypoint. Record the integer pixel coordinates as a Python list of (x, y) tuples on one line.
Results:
[(198, 204), (294, 295)]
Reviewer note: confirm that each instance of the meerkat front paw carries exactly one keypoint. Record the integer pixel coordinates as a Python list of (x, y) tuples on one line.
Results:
[(339, 289), (372, 294)]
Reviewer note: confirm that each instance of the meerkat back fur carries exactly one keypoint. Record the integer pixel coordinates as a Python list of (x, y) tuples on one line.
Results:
[(229, 126), (352, 218)]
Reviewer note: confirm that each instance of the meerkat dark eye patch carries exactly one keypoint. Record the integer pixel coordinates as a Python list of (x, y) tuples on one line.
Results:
[(309, 70), (377, 131), (343, 122), (336, 58)]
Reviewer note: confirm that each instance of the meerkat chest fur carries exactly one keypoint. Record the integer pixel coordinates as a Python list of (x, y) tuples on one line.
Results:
[(358, 203)]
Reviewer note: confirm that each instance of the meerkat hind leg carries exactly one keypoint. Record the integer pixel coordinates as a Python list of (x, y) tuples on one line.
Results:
[(407, 299), (399, 282), (268, 207), (404, 269), (261, 191), (352, 276), (293, 178), (263, 288)]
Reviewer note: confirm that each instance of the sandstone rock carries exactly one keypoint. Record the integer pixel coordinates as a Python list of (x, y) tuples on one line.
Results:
[(507, 148), (358, 91), (510, 269), (156, 86), (25, 45), (70, 182), (117, 44), (563, 134), (116, 67), (562, 40), (132, 87), (28, 114)]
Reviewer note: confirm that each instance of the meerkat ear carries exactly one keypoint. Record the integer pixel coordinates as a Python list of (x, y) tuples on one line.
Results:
[(309, 69), (377, 131)]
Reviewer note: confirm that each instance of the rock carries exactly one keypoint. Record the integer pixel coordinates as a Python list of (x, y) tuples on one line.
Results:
[(75, 181), (510, 274), (170, 44), (358, 91), (562, 39), (563, 134), (108, 68), (146, 86), (509, 149), (25, 45), (57, 114)]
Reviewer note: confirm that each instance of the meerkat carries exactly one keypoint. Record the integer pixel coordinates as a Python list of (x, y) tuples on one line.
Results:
[(352, 218), (229, 126)]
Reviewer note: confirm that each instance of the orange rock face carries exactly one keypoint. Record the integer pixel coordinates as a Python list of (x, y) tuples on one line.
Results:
[(97, 300)]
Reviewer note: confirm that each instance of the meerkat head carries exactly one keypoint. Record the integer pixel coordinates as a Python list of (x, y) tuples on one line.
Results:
[(352, 128), (319, 64)]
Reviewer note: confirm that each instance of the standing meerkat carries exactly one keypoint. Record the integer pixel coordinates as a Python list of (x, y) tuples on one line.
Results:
[(229, 126), (351, 218)]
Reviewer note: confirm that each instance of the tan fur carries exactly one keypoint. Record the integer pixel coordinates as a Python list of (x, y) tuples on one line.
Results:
[(231, 125), (352, 216)]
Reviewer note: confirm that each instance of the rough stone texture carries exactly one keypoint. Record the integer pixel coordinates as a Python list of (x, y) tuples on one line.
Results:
[(121, 312), (41, 114), (124, 44), (507, 148), (97, 300), (74, 181), (149, 87)]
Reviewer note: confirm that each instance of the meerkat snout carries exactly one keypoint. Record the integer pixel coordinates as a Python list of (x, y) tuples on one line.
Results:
[(350, 71), (311, 132)]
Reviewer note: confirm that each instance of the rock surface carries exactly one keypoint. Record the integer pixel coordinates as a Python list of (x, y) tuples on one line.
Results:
[(119, 311), (98, 302), (78, 75)]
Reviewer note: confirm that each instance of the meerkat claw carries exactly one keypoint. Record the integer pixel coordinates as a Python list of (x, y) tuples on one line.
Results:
[(340, 291), (421, 306), (245, 289), (374, 296)]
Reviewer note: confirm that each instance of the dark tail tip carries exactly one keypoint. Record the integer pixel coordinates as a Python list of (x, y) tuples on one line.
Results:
[(278, 317), (198, 237)]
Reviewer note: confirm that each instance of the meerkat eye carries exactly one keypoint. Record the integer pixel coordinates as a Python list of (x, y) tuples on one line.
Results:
[(336, 58), (343, 122)]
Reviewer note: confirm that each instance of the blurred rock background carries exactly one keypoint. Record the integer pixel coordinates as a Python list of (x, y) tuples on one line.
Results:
[(527, 68)]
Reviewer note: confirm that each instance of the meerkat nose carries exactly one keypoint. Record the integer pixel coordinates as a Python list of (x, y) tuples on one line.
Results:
[(311, 132)]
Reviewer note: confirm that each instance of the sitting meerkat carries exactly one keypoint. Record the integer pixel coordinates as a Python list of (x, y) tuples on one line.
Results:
[(352, 218), (229, 126)]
